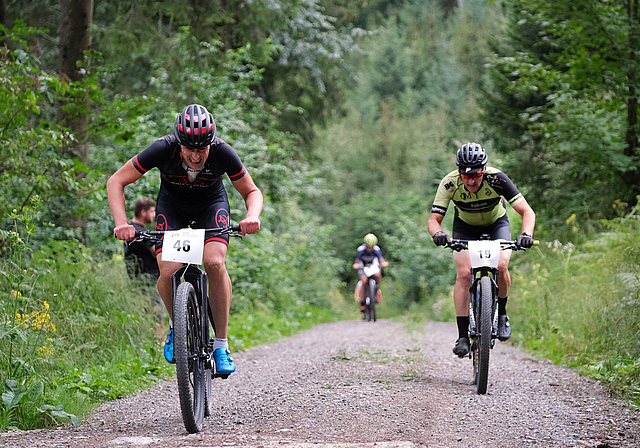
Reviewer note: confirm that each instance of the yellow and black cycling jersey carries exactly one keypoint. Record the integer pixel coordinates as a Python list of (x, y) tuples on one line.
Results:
[(481, 208)]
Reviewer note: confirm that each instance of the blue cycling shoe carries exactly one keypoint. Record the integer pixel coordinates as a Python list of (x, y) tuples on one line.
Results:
[(168, 347), (223, 361)]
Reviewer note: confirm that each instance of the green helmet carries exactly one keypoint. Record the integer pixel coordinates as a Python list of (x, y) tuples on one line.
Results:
[(370, 239)]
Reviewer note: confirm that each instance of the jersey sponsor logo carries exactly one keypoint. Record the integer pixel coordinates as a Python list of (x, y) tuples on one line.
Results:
[(161, 222), (484, 206), (222, 218), (440, 210), (468, 195), (449, 185), (183, 181)]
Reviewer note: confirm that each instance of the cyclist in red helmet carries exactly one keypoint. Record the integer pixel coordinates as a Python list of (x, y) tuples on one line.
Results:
[(477, 192), (192, 161)]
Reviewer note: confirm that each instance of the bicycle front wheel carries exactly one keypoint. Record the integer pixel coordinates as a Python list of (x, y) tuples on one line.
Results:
[(484, 338), (190, 366), (372, 293)]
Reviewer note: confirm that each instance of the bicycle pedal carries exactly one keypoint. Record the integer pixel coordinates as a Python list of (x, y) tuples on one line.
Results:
[(223, 376)]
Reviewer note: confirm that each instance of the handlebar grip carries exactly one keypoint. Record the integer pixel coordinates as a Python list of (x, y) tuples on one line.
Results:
[(236, 228)]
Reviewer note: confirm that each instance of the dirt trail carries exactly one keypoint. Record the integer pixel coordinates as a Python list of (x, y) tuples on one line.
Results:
[(359, 384)]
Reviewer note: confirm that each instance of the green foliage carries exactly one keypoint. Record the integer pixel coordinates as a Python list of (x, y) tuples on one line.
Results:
[(423, 270), (29, 162), (73, 332), (287, 273), (563, 84), (578, 304)]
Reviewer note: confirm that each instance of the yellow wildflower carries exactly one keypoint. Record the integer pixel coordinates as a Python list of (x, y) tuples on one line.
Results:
[(45, 350), (570, 218), (15, 293)]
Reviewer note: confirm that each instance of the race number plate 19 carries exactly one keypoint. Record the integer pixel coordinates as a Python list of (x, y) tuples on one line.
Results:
[(484, 253), (184, 245)]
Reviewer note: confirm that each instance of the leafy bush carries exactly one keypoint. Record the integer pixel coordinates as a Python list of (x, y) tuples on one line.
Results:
[(73, 331), (580, 305)]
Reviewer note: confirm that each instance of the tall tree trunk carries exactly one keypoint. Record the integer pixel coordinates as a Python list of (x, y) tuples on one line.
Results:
[(632, 176), (76, 17), (4, 19)]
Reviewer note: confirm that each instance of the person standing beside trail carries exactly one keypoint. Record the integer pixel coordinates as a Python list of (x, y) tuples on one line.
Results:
[(139, 256), (477, 192), (192, 161)]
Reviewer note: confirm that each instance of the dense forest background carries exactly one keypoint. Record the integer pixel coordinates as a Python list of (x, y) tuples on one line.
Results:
[(348, 114)]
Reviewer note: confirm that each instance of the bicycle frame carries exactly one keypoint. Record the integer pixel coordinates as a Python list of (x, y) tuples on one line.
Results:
[(198, 278)]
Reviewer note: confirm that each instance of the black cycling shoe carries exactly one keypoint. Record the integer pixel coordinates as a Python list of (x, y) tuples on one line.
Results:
[(504, 329), (462, 347)]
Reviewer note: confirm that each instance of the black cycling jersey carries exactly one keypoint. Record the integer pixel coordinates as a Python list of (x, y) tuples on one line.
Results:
[(181, 202), (165, 154)]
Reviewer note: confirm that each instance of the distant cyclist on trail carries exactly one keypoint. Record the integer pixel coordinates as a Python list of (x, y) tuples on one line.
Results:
[(477, 192), (191, 161), (367, 254)]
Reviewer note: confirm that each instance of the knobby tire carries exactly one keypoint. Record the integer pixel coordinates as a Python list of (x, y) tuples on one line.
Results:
[(190, 367), (208, 400), (484, 339), (373, 297)]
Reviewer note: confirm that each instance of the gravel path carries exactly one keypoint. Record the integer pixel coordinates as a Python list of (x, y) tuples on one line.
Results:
[(360, 384)]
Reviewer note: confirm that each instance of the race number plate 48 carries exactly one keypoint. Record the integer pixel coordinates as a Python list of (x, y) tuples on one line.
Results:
[(184, 245), (484, 253)]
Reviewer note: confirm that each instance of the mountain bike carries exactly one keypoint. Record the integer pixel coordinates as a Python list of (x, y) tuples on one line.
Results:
[(371, 291), (483, 303), (192, 346)]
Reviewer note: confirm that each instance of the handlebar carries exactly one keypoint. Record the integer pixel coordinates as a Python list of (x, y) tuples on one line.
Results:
[(459, 245), (156, 235)]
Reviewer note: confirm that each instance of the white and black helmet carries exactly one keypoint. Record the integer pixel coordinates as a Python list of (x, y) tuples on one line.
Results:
[(471, 157)]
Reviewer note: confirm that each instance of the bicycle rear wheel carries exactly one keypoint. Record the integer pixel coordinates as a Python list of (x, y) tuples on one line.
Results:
[(483, 321), (190, 366)]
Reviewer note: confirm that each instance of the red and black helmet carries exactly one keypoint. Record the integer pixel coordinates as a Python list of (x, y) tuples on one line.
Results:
[(195, 127)]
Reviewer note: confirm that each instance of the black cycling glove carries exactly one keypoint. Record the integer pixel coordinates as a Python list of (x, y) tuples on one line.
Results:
[(441, 238), (525, 240)]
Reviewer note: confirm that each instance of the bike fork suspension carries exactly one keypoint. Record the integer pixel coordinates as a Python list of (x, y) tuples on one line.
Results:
[(472, 321)]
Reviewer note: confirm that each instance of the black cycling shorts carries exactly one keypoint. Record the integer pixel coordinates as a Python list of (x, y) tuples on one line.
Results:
[(173, 215), (499, 230)]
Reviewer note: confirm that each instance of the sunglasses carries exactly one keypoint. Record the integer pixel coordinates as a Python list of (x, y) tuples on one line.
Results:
[(475, 175)]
